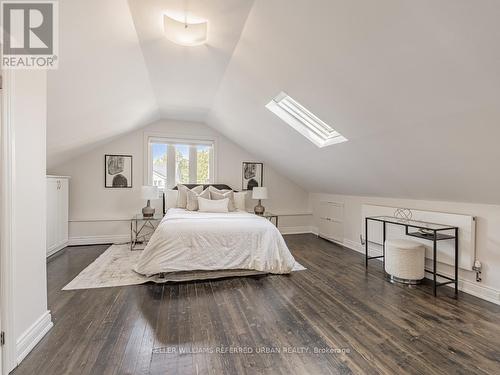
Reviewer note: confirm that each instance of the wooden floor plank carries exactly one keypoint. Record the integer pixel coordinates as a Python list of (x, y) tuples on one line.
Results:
[(383, 328)]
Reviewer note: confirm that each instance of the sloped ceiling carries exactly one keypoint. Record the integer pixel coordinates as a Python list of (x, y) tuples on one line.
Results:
[(102, 88), (413, 85)]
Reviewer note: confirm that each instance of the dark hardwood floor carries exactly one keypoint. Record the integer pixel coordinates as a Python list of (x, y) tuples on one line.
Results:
[(365, 324)]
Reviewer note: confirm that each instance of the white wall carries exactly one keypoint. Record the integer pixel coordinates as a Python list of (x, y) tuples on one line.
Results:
[(487, 234), (27, 110), (98, 214)]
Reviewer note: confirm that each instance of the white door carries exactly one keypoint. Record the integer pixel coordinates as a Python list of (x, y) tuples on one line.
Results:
[(52, 213)]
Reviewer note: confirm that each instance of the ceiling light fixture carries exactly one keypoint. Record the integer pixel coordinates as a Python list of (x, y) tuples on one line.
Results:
[(304, 121), (184, 29)]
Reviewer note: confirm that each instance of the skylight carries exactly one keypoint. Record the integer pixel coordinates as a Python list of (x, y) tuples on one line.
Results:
[(304, 121)]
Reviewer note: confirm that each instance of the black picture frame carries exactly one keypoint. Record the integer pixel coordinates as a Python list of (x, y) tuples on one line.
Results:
[(120, 177), (249, 178)]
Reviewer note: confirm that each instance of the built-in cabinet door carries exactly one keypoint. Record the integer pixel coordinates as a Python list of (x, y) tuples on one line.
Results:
[(63, 211), (52, 213), (331, 221), (57, 213), (331, 229)]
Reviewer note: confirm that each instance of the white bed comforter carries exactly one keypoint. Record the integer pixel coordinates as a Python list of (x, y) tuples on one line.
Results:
[(190, 241)]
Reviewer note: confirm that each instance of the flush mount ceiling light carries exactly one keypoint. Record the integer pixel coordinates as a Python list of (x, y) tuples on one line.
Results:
[(304, 121), (185, 30)]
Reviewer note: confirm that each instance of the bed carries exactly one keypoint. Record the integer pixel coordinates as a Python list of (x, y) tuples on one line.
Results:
[(215, 245)]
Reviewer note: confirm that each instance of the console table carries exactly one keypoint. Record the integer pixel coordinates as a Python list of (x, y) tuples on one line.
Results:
[(420, 229)]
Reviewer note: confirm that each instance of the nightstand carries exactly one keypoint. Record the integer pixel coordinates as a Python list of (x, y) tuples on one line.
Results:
[(270, 216), (141, 229)]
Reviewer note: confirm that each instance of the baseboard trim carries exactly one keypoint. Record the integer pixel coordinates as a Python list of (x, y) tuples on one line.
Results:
[(477, 290), (57, 248), (98, 240), (356, 246), (32, 336), (296, 230), (480, 291)]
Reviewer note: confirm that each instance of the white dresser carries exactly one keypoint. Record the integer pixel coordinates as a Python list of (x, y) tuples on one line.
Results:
[(331, 221), (57, 213)]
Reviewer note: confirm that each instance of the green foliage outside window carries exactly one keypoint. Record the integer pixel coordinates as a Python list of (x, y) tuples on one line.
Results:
[(203, 165), (182, 168)]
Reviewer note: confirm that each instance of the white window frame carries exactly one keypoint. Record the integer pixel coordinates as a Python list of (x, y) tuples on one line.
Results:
[(178, 139)]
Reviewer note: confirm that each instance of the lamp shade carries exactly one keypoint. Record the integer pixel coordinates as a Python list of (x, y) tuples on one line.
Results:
[(149, 192), (183, 32), (259, 193)]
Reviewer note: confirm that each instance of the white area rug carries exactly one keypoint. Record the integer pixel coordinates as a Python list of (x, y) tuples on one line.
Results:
[(114, 268)]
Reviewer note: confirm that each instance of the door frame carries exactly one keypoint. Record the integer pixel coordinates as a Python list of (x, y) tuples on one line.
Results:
[(7, 191)]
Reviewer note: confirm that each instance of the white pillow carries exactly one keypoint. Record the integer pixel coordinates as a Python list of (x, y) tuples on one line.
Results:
[(240, 200), (208, 205), (182, 196), (217, 195), (192, 199), (171, 198)]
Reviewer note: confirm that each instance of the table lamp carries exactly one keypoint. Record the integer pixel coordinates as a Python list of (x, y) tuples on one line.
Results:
[(149, 192), (259, 193)]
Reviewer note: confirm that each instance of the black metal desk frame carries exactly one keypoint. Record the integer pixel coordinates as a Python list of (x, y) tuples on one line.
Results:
[(434, 236)]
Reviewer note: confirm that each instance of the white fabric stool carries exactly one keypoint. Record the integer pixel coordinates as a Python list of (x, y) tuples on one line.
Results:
[(405, 260)]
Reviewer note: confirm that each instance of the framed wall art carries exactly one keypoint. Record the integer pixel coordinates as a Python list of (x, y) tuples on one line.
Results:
[(118, 171), (252, 175)]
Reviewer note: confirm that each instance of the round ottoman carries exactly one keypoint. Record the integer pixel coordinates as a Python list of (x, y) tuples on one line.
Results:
[(405, 260)]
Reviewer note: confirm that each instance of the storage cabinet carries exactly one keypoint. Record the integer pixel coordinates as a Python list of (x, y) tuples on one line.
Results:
[(331, 221), (57, 213)]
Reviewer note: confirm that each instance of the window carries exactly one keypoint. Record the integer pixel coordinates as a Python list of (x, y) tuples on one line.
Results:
[(304, 121), (176, 161)]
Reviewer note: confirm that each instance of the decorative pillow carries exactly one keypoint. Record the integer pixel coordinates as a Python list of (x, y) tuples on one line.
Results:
[(229, 194), (171, 198), (208, 205), (214, 189), (192, 199), (182, 196), (240, 200)]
